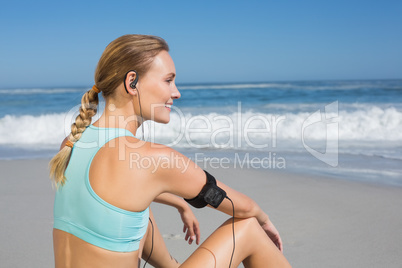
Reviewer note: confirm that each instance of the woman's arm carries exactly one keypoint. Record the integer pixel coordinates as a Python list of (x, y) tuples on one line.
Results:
[(249, 207), (182, 177), (191, 225), (171, 200)]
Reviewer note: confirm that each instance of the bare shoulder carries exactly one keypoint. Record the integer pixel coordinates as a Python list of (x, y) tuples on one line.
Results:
[(166, 169), (162, 161), (159, 163), (138, 155), (135, 147), (121, 177)]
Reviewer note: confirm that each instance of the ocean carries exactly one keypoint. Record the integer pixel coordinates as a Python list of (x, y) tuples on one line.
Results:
[(340, 129)]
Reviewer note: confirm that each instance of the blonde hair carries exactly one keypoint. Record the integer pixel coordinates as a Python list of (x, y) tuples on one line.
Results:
[(128, 52)]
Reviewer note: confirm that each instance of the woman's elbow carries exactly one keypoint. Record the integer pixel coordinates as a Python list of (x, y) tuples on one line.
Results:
[(246, 209)]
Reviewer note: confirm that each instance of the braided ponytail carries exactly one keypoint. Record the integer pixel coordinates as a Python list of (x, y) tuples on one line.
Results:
[(89, 105)]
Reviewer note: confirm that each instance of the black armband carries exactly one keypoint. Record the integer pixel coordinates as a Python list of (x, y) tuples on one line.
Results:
[(210, 194)]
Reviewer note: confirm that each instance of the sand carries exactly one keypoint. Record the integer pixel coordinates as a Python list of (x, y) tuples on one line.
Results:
[(324, 222)]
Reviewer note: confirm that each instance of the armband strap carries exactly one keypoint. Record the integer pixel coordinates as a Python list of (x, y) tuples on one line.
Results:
[(210, 194)]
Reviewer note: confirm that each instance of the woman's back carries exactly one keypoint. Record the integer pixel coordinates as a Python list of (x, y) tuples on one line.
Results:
[(85, 224), (70, 251)]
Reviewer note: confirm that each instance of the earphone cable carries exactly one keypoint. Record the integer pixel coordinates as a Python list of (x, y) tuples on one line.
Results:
[(233, 231), (134, 86), (142, 118), (152, 243)]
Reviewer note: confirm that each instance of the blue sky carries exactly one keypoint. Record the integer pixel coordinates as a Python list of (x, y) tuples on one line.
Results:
[(58, 44)]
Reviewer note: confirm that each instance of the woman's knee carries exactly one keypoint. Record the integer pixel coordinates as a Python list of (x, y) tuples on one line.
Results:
[(247, 225)]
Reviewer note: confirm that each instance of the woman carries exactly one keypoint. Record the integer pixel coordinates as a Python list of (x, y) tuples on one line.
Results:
[(101, 212)]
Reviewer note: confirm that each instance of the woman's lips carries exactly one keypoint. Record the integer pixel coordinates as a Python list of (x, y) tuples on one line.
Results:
[(169, 106)]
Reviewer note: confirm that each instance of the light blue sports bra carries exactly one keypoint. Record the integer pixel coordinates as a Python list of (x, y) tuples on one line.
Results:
[(78, 210)]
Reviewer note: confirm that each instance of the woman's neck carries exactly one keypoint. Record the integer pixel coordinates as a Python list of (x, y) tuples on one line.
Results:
[(115, 116)]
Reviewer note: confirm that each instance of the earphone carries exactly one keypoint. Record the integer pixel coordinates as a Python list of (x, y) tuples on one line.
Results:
[(133, 84)]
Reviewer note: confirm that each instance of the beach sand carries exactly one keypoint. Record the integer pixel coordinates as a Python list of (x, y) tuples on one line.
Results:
[(323, 222)]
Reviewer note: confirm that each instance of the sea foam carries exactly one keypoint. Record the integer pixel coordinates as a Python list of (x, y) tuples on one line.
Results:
[(373, 124)]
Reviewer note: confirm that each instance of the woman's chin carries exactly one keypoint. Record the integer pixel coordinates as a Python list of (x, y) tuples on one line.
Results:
[(163, 120)]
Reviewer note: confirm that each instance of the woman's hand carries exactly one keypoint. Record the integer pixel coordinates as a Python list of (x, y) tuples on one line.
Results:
[(191, 226), (271, 231)]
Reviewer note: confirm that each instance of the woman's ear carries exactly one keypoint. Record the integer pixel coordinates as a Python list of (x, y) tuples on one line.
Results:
[(130, 82)]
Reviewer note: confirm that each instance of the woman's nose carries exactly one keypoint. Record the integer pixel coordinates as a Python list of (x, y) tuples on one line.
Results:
[(176, 93)]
